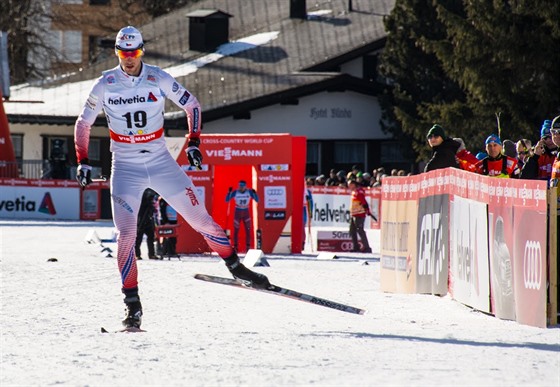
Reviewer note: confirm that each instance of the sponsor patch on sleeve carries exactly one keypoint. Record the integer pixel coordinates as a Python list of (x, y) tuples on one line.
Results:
[(184, 98), (174, 87), (91, 102)]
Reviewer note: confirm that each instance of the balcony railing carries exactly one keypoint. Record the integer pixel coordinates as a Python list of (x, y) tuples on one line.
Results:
[(35, 169)]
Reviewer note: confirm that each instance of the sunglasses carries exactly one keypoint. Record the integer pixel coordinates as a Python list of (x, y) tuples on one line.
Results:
[(555, 131), (547, 137), (123, 54)]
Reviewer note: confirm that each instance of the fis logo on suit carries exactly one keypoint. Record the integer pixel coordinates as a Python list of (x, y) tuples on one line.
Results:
[(192, 196), (532, 265), (430, 246)]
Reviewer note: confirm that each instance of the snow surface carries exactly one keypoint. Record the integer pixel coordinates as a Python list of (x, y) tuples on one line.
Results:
[(202, 334)]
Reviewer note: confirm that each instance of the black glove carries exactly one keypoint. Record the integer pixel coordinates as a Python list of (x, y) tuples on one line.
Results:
[(193, 154), (83, 173), (230, 189)]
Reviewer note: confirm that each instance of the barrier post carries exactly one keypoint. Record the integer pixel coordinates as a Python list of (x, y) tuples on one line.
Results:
[(553, 256)]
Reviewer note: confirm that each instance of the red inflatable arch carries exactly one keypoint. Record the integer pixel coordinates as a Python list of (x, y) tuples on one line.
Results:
[(272, 164), (8, 167)]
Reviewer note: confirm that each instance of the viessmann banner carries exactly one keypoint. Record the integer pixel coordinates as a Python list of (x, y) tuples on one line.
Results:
[(491, 232)]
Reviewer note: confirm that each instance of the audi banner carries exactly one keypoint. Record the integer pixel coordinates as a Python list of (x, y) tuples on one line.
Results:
[(529, 265)]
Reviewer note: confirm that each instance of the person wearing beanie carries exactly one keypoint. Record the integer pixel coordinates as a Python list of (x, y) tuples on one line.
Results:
[(539, 165), (444, 150), (497, 164)]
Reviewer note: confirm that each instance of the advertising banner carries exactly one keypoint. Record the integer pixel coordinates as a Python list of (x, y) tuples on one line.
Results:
[(335, 241), (39, 199), (398, 235), (433, 244), (529, 254), (469, 269), (500, 228)]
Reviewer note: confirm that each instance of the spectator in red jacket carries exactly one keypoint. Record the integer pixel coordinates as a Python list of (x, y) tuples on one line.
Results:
[(465, 158), (359, 208), (496, 163)]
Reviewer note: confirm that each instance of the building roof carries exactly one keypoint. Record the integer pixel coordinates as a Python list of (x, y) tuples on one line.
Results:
[(271, 58)]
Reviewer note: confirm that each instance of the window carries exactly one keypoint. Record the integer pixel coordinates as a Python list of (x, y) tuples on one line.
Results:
[(391, 152), (17, 142), (68, 46), (350, 153), (370, 67), (313, 152)]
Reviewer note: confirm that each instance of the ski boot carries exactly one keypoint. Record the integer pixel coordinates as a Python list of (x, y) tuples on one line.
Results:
[(240, 272), (133, 318)]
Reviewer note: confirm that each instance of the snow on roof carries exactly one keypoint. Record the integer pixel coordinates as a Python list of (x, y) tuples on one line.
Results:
[(68, 99)]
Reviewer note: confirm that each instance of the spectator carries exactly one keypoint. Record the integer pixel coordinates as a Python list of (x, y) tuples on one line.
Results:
[(401, 172), (146, 224), (242, 197), (321, 180), (496, 163), (340, 175), (366, 179), (379, 180), (394, 172), (354, 172), (359, 209), (332, 180), (465, 158), (539, 166), (444, 149), (509, 149), (524, 151)]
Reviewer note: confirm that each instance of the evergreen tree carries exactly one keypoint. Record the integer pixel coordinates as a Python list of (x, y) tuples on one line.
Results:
[(415, 77), (493, 57)]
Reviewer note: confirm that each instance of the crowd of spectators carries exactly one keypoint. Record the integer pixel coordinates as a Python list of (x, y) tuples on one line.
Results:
[(500, 158), (364, 179)]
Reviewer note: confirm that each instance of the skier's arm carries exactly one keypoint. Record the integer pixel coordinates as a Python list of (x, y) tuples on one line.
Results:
[(230, 195), (254, 195), (82, 127)]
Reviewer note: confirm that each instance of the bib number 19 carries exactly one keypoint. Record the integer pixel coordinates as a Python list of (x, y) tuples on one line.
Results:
[(138, 119)]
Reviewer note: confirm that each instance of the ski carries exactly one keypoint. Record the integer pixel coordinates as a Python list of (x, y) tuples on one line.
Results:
[(280, 291), (124, 330)]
